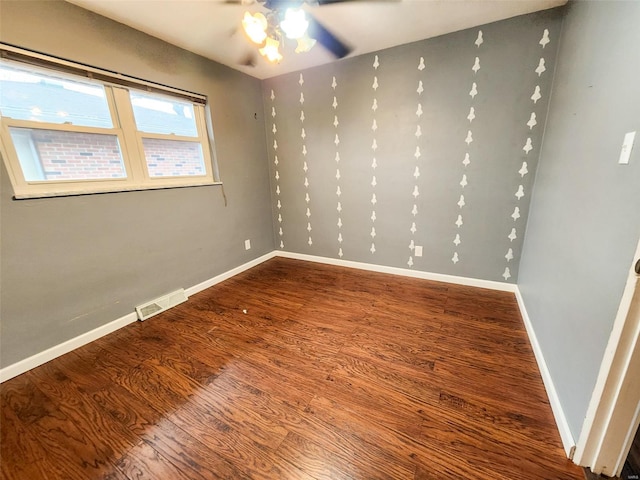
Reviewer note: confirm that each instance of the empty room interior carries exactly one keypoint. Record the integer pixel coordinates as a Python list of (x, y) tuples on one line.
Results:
[(401, 242)]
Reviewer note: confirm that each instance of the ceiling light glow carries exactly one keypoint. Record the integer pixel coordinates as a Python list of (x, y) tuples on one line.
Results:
[(295, 23), (255, 27), (305, 43), (270, 50)]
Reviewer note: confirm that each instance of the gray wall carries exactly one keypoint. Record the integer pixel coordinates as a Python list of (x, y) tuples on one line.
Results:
[(507, 78), (585, 215), (69, 265)]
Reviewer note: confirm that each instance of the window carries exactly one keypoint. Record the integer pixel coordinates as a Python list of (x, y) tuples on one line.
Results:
[(64, 135), (169, 135)]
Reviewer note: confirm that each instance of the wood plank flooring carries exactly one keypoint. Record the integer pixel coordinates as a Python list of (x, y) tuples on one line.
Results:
[(331, 373)]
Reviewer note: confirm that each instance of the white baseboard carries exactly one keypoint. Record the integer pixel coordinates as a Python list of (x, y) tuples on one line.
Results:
[(438, 277), (568, 441), (58, 350), (65, 347), (228, 274)]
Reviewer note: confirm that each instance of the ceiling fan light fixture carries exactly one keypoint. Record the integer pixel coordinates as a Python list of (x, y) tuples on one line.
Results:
[(270, 50), (295, 23), (255, 27), (305, 43)]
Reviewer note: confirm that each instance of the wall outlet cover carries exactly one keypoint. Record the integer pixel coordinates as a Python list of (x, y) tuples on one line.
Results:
[(627, 146), (247, 244), (418, 251)]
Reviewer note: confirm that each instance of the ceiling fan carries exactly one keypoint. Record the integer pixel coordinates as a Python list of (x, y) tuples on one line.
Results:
[(280, 20)]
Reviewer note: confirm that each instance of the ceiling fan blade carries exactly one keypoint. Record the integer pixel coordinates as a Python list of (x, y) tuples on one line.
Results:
[(329, 2), (282, 4), (327, 39)]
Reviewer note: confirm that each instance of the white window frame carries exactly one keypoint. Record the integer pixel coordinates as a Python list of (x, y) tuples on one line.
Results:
[(124, 128)]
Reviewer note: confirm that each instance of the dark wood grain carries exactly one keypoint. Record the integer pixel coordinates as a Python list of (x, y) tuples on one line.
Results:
[(323, 459), (189, 454), (21, 455), (295, 370), (143, 462)]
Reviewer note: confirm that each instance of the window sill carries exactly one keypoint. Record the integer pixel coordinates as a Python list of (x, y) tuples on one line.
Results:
[(97, 191)]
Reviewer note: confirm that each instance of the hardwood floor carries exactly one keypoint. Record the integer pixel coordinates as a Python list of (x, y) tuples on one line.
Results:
[(330, 373)]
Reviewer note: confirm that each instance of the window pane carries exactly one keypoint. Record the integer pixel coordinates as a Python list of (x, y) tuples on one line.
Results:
[(158, 114), (31, 95), (170, 158), (57, 155)]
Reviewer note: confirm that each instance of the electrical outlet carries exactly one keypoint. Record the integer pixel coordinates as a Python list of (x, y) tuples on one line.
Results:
[(247, 244), (418, 251)]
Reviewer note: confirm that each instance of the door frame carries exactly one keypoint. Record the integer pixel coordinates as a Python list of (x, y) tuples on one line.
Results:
[(614, 410)]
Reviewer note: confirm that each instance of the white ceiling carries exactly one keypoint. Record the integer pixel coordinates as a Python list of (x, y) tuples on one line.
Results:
[(211, 28)]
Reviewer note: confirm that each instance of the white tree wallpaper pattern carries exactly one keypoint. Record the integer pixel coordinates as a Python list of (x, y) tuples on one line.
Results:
[(374, 148), (432, 145), (532, 122), (466, 161), (336, 124), (305, 166), (276, 174), (416, 173)]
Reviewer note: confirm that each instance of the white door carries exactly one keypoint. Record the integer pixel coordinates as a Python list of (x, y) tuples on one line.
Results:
[(614, 412)]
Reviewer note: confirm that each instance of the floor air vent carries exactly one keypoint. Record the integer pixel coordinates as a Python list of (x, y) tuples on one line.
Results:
[(160, 304)]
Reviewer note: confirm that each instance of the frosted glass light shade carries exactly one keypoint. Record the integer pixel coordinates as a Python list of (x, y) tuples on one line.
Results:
[(255, 27), (295, 23), (270, 50)]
